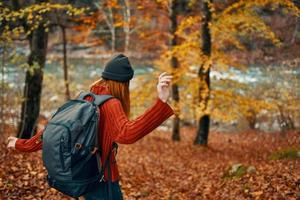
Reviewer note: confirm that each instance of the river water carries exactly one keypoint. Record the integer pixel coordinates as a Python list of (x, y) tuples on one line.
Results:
[(86, 70)]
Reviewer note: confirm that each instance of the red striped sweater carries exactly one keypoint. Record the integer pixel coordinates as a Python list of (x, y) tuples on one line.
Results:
[(114, 126)]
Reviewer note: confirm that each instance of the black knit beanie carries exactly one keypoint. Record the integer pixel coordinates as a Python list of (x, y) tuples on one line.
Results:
[(118, 69)]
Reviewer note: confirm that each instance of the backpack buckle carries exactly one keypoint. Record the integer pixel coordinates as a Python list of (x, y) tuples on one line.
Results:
[(95, 149), (78, 146), (102, 178)]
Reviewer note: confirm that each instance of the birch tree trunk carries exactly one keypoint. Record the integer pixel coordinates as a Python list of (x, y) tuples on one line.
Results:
[(109, 20), (112, 30), (127, 19)]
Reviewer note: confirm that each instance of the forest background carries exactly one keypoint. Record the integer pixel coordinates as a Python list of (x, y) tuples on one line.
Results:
[(236, 87)]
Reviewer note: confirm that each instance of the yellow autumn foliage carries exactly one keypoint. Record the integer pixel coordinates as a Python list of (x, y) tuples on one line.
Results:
[(34, 15), (238, 20)]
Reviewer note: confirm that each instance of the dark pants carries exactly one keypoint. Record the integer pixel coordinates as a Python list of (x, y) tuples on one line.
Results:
[(101, 193)]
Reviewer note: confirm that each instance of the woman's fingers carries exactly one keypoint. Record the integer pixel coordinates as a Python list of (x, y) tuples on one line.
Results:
[(164, 85), (162, 74), (166, 79), (166, 75), (11, 142), (10, 138)]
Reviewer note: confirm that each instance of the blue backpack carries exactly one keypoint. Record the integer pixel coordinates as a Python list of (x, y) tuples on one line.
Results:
[(71, 153)]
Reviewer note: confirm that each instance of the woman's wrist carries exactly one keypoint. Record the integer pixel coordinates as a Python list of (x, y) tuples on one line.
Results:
[(162, 99), (165, 106)]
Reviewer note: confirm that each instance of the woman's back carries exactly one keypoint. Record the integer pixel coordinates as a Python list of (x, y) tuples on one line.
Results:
[(114, 126)]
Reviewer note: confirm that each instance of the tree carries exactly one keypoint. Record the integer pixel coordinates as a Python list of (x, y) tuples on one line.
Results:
[(117, 16), (203, 75), (38, 41), (174, 64), (33, 21), (2, 117), (222, 32), (108, 8), (126, 23), (61, 20), (65, 65)]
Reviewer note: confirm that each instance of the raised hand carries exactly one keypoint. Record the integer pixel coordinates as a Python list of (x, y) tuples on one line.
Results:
[(11, 142), (163, 86)]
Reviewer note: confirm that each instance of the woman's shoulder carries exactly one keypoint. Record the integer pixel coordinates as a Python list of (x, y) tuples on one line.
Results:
[(111, 107), (112, 102), (103, 90)]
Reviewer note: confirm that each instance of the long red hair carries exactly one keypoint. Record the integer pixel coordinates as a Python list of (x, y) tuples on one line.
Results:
[(119, 90)]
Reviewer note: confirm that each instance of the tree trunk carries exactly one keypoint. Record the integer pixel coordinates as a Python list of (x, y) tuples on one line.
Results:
[(65, 65), (113, 40), (127, 16), (285, 121), (203, 125), (33, 82), (111, 24), (175, 65), (109, 19), (2, 89), (251, 118)]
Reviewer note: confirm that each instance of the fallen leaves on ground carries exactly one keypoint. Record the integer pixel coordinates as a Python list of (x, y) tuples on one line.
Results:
[(158, 168)]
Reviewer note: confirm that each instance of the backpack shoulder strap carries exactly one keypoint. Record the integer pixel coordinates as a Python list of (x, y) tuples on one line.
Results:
[(83, 94), (98, 99)]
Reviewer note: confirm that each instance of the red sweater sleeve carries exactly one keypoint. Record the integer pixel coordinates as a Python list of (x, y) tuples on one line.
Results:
[(30, 145), (126, 131)]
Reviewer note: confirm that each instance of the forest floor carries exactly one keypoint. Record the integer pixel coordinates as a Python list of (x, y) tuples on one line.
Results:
[(157, 168)]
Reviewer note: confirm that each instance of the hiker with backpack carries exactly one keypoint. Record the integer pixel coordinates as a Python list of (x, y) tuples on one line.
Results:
[(79, 144)]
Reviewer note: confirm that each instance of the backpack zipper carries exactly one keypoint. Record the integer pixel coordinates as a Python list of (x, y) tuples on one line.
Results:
[(61, 156), (62, 142), (69, 133)]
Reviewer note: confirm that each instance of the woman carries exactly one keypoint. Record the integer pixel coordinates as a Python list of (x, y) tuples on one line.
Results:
[(114, 124)]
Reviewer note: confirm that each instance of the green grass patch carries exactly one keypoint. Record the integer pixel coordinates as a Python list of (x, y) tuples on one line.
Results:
[(236, 171), (285, 154)]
